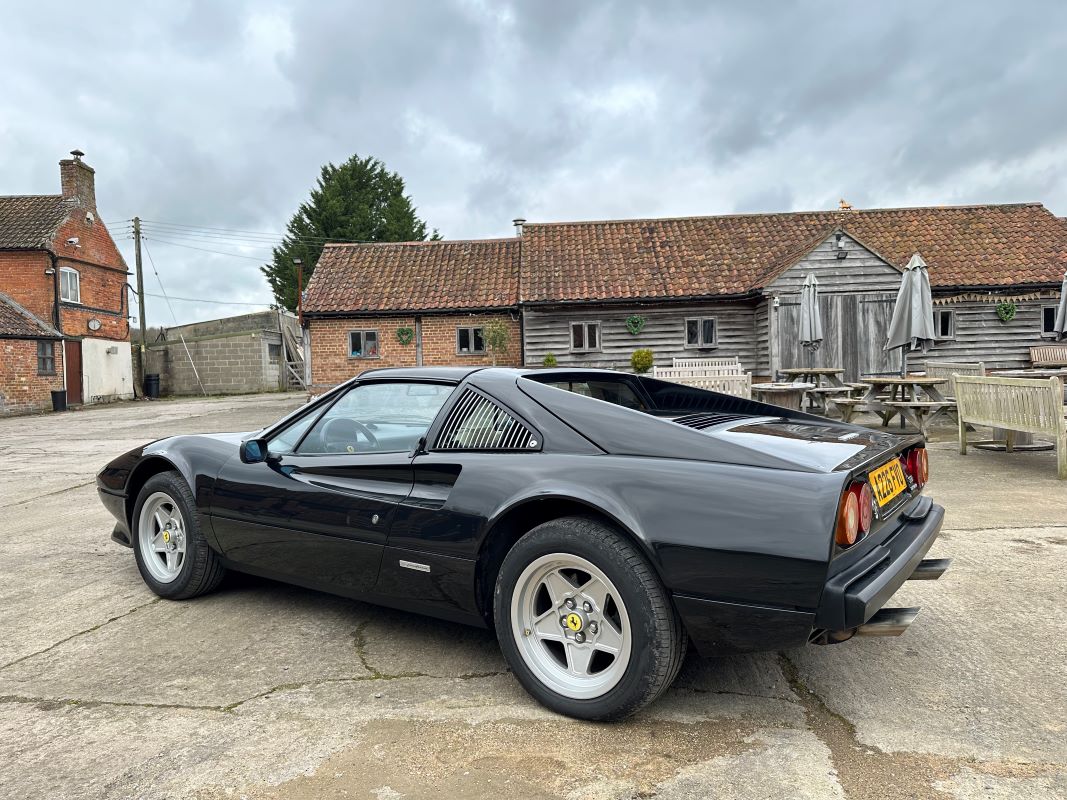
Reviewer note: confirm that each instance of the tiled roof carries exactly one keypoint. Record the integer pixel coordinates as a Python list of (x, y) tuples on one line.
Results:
[(15, 321), (415, 276), (729, 255), (29, 221)]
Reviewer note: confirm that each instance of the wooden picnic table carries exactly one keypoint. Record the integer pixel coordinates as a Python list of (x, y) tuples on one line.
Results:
[(826, 382), (915, 397), (786, 395)]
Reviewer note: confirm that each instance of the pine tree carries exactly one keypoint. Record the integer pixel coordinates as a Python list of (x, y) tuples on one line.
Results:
[(359, 201)]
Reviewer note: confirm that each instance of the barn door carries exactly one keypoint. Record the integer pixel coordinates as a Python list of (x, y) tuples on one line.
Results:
[(855, 328), (72, 368)]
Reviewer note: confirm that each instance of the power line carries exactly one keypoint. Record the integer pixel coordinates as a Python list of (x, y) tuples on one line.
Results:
[(205, 250), (226, 239), (216, 302), (245, 233), (174, 316)]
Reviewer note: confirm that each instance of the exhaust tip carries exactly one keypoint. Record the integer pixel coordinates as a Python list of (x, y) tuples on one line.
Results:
[(930, 569), (888, 622)]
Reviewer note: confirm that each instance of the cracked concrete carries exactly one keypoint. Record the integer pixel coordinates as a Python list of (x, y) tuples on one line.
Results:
[(269, 691)]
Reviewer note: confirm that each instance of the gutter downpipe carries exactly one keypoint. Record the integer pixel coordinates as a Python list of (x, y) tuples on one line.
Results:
[(56, 319)]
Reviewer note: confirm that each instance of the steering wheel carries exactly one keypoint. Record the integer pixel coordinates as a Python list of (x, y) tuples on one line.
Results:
[(344, 433)]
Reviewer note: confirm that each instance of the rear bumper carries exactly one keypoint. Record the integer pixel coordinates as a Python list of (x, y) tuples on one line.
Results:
[(853, 596), (849, 600)]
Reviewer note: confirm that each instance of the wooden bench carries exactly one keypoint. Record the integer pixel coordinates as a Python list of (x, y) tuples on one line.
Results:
[(736, 384), (848, 406), (732, 364), (1049, 355), (919, 413), (1016, 404), (950, 369)]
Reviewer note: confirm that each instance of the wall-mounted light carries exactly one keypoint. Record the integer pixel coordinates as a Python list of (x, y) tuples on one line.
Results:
[(49, 271), (841, 251)]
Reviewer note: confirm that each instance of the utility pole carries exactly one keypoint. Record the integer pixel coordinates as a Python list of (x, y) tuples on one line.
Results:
[(140, 291)]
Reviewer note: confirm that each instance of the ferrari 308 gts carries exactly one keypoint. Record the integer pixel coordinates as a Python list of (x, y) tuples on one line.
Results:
[(597, 521)]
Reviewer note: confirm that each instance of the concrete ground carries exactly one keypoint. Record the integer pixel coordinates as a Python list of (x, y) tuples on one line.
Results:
[(266, 691)]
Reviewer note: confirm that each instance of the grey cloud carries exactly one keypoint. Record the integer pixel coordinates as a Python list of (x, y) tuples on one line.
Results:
[(221, 114)]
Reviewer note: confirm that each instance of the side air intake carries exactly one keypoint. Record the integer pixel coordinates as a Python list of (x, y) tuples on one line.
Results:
[(702, 421), (477, 423)]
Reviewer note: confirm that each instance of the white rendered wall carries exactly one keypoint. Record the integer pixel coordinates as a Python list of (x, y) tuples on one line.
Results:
[(107, 370)]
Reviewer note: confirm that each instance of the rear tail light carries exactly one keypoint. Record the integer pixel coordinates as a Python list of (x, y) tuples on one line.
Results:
[(854, 515), (917, 465)]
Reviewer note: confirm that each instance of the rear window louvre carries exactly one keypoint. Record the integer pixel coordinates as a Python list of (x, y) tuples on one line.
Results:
[(702, 421), (478, 423)]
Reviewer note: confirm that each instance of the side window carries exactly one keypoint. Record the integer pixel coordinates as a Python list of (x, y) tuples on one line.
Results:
[(286, 441), (469, 340), (701, 332), (1048, 319), (376, 418), (363, 344), (585, 336), (478, 423)]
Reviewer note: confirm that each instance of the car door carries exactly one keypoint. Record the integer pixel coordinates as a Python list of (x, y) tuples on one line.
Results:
[(319, 510)]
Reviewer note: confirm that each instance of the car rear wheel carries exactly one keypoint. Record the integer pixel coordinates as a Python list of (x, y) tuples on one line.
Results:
[(172, 556), (584, 622)]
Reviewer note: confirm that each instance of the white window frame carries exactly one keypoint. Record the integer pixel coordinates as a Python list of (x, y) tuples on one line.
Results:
[(64, 273), (938, 312), (362, 332), (585, 325), (473, 351), (701, 344), (1050, 334)]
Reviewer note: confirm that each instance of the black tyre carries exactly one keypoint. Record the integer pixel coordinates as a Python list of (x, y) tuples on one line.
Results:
[(584, 622), (172, 556)]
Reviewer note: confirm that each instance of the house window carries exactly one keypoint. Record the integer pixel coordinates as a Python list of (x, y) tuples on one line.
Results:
[(363, 344), (274, 353), (46, 358), (69, 285), (469, 340), (585, 336), (1048, 320), (701, 332), (945, 323)]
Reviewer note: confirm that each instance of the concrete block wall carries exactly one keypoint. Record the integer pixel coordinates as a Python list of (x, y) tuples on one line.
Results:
[(227, 364)]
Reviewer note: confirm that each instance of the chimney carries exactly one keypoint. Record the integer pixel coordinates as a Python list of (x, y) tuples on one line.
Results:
[(518, 223), (78, 180)]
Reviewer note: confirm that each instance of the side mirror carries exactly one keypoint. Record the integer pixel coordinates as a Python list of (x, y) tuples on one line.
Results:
[(254, 451)]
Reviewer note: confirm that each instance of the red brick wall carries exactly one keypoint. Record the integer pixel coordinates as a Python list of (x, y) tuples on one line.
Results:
[(100, 288), (22, 279), (331, 364), (21, 388)]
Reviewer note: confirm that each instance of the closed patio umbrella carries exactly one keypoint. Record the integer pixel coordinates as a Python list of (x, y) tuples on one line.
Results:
[(912, 325), (1060, 326), (810, 318)]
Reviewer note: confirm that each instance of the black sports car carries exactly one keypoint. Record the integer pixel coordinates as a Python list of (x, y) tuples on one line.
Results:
[(598, 521)]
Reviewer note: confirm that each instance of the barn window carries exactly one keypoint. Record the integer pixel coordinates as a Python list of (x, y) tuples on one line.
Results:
[(363, 344), (70, 290), (945, 323), (1048, 320), (585, 336), (701, 332), (46, 358), (274, 353), (469, 341)]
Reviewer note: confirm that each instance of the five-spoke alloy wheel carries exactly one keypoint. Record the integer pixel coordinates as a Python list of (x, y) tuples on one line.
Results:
[(161, 537), (584, 621)]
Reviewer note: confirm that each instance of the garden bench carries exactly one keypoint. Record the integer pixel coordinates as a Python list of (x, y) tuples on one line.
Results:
[(736, 384), (1015, 404), (950, 369), (848, 406), (919, 412), (732, 364), (1049, 355)]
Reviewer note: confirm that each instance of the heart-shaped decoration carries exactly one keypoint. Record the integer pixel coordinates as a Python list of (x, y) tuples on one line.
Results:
[(405, 335)]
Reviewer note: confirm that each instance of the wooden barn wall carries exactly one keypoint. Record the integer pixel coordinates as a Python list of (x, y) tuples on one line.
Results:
[(548, 331), (762, 321), (861, 271), (981, 336)]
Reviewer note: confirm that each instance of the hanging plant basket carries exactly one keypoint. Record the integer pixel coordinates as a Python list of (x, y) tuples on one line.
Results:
[(635, 323), (1006, 311), (405, 335)]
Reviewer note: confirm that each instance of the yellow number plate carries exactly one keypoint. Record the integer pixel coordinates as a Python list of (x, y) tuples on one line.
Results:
[(887, 482)]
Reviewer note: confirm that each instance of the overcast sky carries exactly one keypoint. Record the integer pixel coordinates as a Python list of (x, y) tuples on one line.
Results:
[(220, 114)]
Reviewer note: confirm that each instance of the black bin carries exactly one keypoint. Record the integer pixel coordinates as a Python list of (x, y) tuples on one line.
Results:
[(59, 400), (151, 384)]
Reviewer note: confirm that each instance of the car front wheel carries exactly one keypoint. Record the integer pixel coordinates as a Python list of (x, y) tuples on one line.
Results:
[(584, 622), (172, 556)]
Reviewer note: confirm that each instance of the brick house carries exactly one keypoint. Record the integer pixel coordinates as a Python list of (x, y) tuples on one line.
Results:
[(590, 293), (31, 359), (59, 264), (410, 304)]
